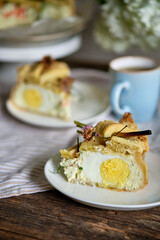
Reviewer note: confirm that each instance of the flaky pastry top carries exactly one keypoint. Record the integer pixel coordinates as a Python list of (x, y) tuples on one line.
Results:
[(48, 73), (105, 138)]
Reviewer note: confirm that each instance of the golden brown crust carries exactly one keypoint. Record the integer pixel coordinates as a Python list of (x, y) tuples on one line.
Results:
[(69, 153), (108, 128), (127, 119), (47, 73), (139, 158)]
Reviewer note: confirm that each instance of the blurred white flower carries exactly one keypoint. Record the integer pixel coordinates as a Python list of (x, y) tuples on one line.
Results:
[(126, 22)]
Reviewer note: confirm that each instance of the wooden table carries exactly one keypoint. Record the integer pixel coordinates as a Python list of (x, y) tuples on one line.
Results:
[(51, 215)]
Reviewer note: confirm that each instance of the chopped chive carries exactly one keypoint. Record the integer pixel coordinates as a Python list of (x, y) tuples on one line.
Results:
[(80, 132), (80, 168), (77, 144), (79, 124), (59, 169), (94, 134)]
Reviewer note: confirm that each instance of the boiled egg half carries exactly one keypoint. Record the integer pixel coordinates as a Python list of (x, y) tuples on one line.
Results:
[(36, 98), (110, 171)]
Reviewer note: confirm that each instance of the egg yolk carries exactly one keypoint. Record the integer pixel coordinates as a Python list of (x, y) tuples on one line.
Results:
[(33, 98), (114, 171)]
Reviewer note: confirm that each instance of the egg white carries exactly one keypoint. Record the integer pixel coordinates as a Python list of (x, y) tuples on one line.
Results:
[(49, 99), (91, 168), (91, 164)]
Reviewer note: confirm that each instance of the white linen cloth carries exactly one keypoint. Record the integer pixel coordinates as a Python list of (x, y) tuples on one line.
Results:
[(24, 149)]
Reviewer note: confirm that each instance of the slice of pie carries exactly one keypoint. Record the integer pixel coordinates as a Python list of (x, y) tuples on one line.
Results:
[(19, 12), (111, 156), (44, 88)]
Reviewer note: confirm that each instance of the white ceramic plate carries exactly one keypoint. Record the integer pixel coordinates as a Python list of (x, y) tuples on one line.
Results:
[(94, 105), (107, 199)]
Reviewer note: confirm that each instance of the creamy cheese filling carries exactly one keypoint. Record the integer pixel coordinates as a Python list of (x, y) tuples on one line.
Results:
[(104, 170)]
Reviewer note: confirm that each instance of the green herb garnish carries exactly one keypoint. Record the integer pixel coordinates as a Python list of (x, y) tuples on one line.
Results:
[(77, 145), (88, 132), (80, 132), (79, 124), (59, 169), (80, 168)]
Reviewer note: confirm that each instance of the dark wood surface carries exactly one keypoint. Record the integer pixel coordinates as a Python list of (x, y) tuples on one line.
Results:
[(51, 215)]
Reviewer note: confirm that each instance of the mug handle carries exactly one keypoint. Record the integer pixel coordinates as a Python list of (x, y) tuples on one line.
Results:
[(115, 97)]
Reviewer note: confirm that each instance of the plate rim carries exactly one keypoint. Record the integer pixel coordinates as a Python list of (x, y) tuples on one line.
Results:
[(121, 207), (46, 37), (10, 105)]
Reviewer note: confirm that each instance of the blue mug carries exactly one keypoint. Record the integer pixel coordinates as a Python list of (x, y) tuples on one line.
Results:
[(136, 85)]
